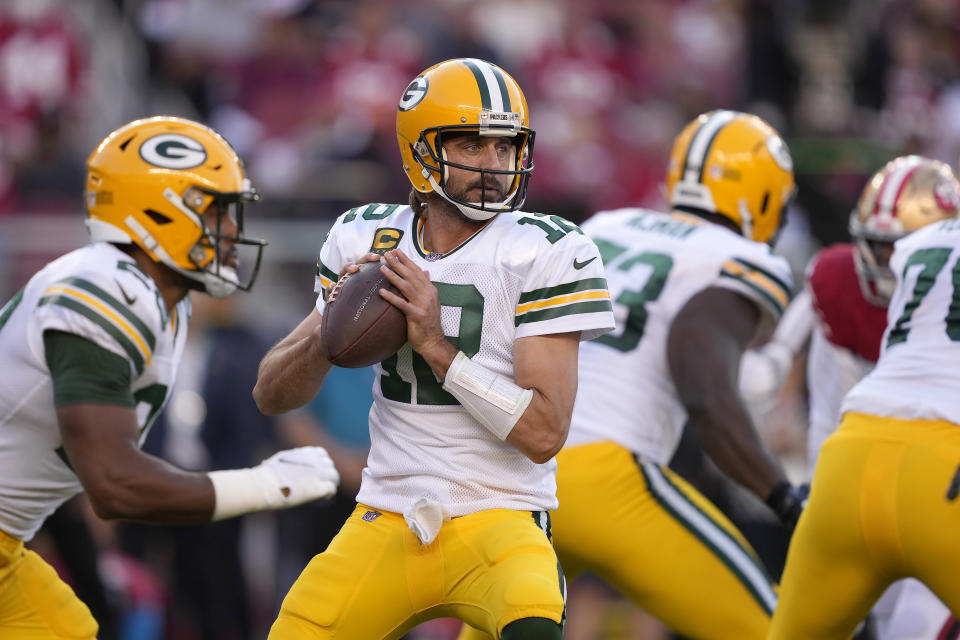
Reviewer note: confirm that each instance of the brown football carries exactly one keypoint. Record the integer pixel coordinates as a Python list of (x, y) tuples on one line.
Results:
[(359, 326)]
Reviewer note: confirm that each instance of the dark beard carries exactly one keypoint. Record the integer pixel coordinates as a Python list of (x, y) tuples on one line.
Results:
[(491, 193)]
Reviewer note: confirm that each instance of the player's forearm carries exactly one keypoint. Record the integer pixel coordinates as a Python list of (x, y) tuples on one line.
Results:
[(153, 492), (290, 375), (542, 429), (733, 444)]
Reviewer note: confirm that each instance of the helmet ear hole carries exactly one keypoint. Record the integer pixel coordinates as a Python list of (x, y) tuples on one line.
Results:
[(157, 217), (766, 202)]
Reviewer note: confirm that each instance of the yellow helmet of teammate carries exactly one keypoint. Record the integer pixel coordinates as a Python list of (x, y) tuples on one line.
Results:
[(909, 192), (734, 165), (465, 95), (149, 182)]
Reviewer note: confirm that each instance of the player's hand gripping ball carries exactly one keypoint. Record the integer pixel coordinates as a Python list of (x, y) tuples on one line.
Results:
[(359, 327)]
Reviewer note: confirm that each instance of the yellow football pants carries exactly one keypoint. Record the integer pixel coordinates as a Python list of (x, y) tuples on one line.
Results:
[(376, 580), (35, 603), (658, 541), (880, 509)]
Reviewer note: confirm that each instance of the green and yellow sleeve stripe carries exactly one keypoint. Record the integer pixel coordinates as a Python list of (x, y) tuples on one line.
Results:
[(325, 276), (101, 308), (582, 296), (770, 287)]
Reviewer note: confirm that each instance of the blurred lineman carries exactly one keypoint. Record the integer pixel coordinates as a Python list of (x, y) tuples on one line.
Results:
[(843, 313), (690, 289), (883, 492), (452, 515), (90, 348)]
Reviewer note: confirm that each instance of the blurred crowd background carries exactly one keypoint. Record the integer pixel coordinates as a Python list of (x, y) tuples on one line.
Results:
[(306, 90)]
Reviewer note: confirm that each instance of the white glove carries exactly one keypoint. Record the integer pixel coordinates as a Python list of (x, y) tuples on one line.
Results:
[(298, 475), (285, 479)]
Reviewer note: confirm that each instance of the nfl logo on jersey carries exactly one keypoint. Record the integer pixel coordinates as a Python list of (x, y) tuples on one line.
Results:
[(371, 515)]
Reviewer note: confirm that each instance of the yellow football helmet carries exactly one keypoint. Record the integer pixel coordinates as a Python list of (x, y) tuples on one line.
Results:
[(734, 165), (465, 95), (149, 182), (909, 192)]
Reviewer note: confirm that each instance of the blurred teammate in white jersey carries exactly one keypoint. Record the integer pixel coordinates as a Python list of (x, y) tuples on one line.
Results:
[(843, 313), (690, 289), (884, 488), (468, 415), (89, 351)]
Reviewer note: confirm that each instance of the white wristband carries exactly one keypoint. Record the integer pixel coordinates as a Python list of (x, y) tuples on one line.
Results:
[(496, 401), (238, 491)]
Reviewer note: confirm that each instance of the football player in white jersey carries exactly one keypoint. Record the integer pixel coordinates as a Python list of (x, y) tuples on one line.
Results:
[(90, 348), (843, 313), (884, 479), (452, 510), (690, 289)]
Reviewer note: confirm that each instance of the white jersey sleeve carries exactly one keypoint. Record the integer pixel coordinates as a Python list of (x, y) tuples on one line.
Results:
[(565, 290), (115, 310), (754, 271)]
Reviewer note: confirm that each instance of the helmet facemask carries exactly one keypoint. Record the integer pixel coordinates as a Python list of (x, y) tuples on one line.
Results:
[(433, 160), (212, 270), (872, 262)]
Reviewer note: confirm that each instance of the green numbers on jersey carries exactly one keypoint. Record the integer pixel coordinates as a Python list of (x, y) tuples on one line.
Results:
[(932, 260), (634, 299), (554, 226), (469, 300)]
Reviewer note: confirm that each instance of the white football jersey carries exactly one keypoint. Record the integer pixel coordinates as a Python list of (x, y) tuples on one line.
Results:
[(656, 262), (523, 274), (99, 293), (917, 376)]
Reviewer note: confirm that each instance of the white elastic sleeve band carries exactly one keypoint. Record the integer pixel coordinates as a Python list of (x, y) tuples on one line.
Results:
[(239, 491), (285, 479), (497, 402)]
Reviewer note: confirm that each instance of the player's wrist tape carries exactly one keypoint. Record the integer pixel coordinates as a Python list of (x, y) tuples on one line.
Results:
[(496, 401), (240, 491)]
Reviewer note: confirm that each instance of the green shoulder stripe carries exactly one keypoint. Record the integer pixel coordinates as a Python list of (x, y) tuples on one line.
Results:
[(766, 296), (322, 270), (779, 281), (118, 306), (593, 306), (562, 289), (103, 323)]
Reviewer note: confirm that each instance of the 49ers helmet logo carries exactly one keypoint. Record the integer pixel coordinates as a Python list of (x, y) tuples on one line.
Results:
[(173, 151), (414, 93)]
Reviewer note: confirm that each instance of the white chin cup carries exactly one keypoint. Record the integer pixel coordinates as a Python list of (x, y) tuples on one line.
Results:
[(474, 214)]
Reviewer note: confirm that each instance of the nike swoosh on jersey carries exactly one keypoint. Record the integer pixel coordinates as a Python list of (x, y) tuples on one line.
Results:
[(126, 297), (580, 265)]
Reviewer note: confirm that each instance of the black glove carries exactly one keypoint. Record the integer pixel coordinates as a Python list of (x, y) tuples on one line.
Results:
[(788, 502)]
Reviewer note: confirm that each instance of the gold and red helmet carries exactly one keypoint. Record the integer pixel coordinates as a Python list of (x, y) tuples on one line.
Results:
[(734, 165), (909, 192), (149, 182), (465, 95)]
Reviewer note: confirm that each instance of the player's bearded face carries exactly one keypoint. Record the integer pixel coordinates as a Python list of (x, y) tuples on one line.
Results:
[(482, 153)]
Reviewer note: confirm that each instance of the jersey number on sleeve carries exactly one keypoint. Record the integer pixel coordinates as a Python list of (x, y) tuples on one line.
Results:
[(634, 299), (469, 300), (555, 229), (932, 260)]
